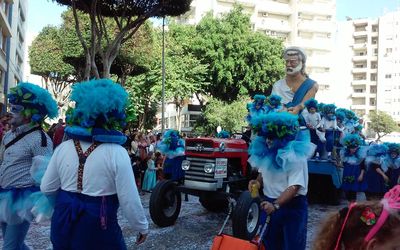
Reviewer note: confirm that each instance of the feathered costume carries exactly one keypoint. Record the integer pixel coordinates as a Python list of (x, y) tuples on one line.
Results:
[(350, 120), (223, 134), (27, 203), (275, 146), (273, 103), (256, 108), (97, 119), (173, 147), (391, 162), (375, 182), (353, 163)]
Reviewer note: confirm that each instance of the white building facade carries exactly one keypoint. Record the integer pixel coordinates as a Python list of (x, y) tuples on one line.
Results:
[(12, 44), (309, 24)]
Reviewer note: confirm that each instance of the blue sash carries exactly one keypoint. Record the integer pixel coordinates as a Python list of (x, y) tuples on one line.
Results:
[(301, 92)]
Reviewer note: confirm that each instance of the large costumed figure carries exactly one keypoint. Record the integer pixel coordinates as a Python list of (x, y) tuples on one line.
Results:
[(283, 173), (24, 152), (173, 147), (91, 173)]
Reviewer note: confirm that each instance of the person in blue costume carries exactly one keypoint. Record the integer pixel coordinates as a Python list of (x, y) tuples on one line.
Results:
[(257, 107), (91, 173), (313, 123), (376, 175), (23, 148), (274, 103), (223, 134), (391, 162), (173, 147), (283, 174), (353, 156), (350, 120)]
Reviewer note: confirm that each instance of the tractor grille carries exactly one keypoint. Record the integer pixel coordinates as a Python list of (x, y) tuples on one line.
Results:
[(200, 147), (196, 170)]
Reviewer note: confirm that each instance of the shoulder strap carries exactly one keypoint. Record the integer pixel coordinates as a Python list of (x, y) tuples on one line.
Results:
[(22, 135), (82, 159), (301, 92)]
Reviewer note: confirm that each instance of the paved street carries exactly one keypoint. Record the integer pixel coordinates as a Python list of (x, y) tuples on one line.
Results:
[(194, 229)]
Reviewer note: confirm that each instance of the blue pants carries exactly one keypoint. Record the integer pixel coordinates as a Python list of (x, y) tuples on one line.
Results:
[(14, 236), (76, 223), (287, 229)]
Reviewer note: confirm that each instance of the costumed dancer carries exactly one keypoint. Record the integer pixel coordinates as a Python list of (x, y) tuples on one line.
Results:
[(26, 147), (392, 162), (329, 126), (313, 123), (377, 180), (150, 176), (353, 157), (274, 104), (91, 173), (340, 116), (350, 120), (363, 225), (172, 146), (283, 173)]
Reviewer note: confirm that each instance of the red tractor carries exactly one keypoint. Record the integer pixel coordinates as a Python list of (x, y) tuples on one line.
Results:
[(215, 169)]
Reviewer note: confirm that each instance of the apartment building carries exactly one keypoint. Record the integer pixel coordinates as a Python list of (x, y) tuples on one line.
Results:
[(388, 75), (12, 44), (309, 24), (371, 47)]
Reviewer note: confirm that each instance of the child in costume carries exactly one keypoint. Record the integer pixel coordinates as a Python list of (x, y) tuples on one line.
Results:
[(150, 178), (363, 225), (274, 104), (283, 173), (91, 173), (337, 146), (353, 156), (172, 147), (313, 123), (391, 161), (329, 127), (350, 120), (377, 180), (26, 148)]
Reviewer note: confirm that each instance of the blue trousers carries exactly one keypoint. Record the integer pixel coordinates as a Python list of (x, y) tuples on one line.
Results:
[(76, 223), (14, 236), (287, 229)]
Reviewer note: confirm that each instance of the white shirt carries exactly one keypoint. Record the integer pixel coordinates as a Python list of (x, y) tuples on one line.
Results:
[(107, 171), (313, 119), (281, 89), (327, 124), (276, 182)]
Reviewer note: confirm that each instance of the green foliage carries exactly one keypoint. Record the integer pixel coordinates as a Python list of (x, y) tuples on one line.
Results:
[(46, 55), (240, 60), (382, 123), (231, 117)]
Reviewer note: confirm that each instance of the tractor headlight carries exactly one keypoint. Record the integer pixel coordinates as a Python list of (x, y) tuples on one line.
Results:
[(185, 165), (209, 168)]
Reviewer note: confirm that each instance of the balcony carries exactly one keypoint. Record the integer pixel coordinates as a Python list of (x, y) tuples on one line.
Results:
[(5, 26), (274, 7), (244, 3), (359, 82), (358, 106), (360, 58), (374, 34), (360, 22), (358, 94), (315, 26), (360, 45), (317, 9), (373, 70), (359, 70), (273, 24), (360, 34)]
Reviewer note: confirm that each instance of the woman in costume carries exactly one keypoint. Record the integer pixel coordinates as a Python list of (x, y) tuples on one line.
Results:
[(172, 146), (391, 161), (91, 173), (283, 173), (353, 157), (377, 180), (23, 162)]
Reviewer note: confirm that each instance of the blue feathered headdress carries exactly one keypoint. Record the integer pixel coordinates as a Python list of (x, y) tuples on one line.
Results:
[(274, 100), (349, 115), (282, 126), (320, 106), (311, 103), (340, 116), (328, 109), (377, 150), (223, 134), (259, 100), (352, 141), (37, 102), (172, 144), (393, 148), (358, 128), (99, 111)]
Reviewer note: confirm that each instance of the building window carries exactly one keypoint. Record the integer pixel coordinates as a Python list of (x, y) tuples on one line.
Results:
[(372, 89), (388, 76), (388, 50)]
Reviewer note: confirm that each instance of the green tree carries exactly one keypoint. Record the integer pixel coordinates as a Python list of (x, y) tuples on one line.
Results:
[(230, 116), (240, 61), (46, 60), (381, 123), (128, 17)]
